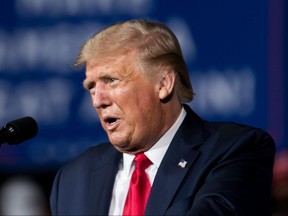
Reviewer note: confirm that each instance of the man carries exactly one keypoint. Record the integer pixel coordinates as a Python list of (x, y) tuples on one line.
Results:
[(139, 84)]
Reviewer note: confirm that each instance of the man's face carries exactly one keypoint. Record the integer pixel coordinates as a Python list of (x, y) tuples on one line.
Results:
[(127, 103)]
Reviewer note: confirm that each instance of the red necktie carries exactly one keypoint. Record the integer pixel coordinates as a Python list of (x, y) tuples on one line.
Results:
[(139, 189)]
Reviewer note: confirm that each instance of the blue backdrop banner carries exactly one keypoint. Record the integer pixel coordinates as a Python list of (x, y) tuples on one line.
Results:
[(233, 50)]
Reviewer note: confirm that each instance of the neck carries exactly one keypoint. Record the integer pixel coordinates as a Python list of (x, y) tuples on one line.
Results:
[(171, 113)]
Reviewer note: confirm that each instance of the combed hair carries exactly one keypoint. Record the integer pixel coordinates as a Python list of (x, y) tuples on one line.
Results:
[(156, 47)]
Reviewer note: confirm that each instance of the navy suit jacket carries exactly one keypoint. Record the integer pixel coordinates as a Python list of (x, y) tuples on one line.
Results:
[(228, 172)]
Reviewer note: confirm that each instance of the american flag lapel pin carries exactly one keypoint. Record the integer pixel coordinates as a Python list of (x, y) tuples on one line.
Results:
[(182, 163)]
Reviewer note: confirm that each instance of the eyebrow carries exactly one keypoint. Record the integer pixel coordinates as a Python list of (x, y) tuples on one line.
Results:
[(88, 84)]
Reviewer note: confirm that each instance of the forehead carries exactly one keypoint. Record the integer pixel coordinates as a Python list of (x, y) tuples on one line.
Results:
[(117, 63)]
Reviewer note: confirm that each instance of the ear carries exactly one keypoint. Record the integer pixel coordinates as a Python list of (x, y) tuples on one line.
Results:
[(166, 84)]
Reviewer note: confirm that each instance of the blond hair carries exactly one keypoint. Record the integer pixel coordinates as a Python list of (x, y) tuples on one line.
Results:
[(155, 44)]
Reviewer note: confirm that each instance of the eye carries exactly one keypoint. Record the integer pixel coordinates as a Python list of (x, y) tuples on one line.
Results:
[(88, 85), (109, 80)]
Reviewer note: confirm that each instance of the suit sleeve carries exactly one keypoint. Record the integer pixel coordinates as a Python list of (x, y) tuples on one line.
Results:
[(54, 195), (239, 183)]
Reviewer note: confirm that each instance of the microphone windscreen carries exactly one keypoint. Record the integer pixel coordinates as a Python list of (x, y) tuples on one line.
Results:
[(24, 129)]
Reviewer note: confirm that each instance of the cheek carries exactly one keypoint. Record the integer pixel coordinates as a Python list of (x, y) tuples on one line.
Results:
[(138, 104), (145, 115), (142, 107)]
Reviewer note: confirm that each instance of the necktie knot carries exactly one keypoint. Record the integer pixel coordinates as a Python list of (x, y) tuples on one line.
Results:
[(142, 162)]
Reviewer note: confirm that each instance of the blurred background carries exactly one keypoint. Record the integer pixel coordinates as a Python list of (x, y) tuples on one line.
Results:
[(236, 52)]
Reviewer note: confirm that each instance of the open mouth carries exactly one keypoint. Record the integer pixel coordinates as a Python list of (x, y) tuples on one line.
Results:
[(110, 120), (111, 123)]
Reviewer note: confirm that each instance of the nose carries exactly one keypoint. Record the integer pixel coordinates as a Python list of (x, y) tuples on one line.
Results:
[(100, 97)]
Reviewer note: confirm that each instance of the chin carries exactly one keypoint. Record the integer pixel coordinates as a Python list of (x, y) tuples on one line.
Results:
[(119, 145), (126, 148)]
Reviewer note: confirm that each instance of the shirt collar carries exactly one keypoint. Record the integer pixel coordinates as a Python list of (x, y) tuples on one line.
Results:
[(157, 152)]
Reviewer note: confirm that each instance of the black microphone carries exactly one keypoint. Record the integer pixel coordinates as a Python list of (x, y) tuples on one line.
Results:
[(19, 130)]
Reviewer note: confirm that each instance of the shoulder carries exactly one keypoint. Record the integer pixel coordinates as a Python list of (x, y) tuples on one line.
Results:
[(235, 130), (221, 134), (91, 158), (221, 128), (234, 136)]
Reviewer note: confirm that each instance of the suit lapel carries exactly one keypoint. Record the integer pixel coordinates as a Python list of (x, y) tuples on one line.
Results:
[(169, 178), (101, 184), (170, 174)]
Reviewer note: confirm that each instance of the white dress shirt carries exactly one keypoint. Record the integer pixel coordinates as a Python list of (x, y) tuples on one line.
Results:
[(126, 167)]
